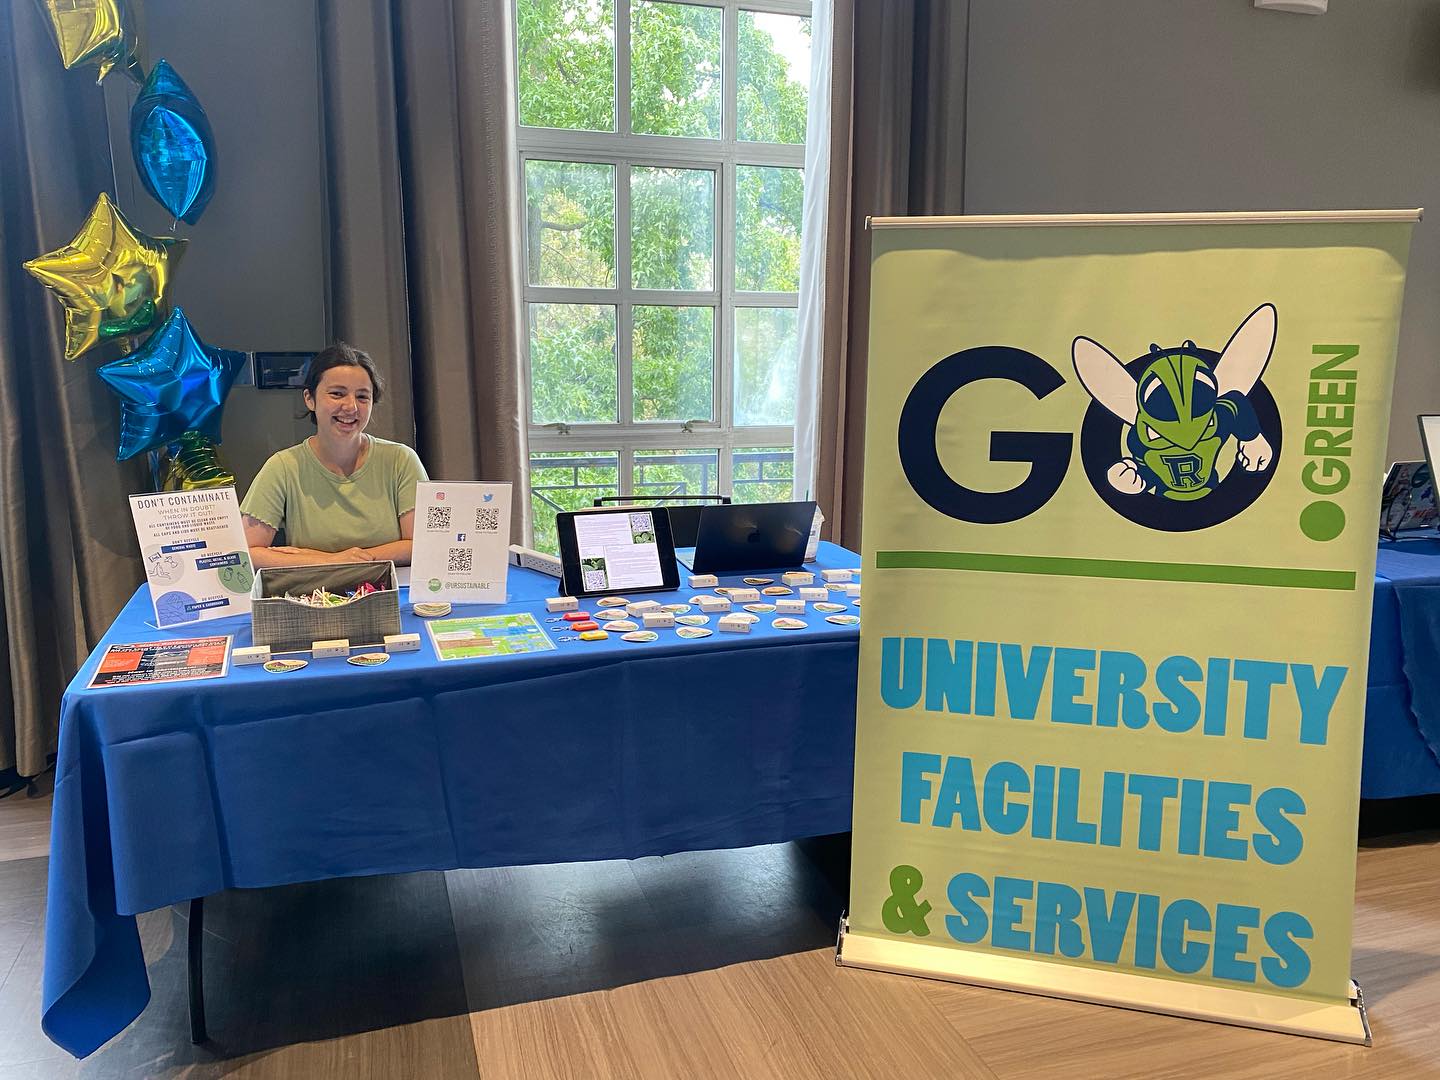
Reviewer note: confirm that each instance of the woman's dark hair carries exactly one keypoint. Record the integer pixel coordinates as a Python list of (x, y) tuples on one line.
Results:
[(341, 354)]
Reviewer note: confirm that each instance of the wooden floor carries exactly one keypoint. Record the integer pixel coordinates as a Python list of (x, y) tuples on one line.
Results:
[(715, 964)]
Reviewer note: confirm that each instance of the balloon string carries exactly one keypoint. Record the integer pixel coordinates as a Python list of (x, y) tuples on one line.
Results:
[(155, 471)]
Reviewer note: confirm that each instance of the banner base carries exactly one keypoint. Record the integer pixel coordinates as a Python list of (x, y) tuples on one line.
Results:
[(1218, 1004)]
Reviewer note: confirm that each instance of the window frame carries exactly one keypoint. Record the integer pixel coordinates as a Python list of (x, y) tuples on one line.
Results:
[(623, 150)]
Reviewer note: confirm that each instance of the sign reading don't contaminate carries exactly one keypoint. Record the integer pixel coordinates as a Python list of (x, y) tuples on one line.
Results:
[(1121, 480), (192, 545)]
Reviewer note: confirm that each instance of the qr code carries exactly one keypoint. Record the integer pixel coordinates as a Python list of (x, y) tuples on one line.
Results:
[(594, 579), (487, 519), (460, 560), (437, 518)]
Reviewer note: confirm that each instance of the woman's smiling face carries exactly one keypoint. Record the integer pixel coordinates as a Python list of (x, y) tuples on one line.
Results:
[(342, 401)]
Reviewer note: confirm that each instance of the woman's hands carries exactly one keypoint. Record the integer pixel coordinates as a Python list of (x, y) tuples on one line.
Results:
[(307, 555)]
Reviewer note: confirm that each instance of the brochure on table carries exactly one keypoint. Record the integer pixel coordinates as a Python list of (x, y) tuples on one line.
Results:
[(163, 661), (196, 560), (462, 542), (488, 635)]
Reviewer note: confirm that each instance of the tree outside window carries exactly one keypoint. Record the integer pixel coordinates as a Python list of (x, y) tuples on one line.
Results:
[(661, 153)]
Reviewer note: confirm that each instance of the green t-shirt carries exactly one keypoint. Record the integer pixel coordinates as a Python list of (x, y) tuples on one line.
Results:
[(320, 510)]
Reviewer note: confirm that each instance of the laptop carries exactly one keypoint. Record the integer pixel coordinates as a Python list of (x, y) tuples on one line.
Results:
[(1407, 502), (751, 536), (684, 518), (684, 524)]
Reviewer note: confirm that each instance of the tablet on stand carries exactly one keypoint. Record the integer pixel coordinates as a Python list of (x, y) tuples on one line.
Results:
[(619, 549)]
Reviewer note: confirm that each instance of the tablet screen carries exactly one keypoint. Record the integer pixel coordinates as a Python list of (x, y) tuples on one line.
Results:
[(618, 551)]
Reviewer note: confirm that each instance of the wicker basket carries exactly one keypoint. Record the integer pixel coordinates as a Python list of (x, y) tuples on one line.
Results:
[(289, 626)]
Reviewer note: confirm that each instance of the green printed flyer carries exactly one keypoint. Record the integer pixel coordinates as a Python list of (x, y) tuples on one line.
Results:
[(488, 635)]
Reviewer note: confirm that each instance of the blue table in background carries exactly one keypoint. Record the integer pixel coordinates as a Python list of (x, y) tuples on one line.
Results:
[(595, 750), (605, 750), (1402, 705)]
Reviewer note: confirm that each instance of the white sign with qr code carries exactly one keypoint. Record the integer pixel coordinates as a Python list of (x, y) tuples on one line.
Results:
[(462, 543)]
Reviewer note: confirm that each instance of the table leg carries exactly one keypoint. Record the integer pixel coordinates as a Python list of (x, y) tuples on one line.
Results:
[(196, 971)]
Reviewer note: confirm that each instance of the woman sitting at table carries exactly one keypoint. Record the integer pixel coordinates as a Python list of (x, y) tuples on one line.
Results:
[(341, 495)]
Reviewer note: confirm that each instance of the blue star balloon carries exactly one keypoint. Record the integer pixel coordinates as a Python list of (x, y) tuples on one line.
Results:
[(173, 384), (171, 142)]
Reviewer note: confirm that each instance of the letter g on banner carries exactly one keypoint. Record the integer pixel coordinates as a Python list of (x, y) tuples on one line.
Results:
[(1046, 452)]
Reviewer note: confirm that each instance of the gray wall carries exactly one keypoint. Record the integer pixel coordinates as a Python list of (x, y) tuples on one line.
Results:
[(1146, 105), (254, 275)]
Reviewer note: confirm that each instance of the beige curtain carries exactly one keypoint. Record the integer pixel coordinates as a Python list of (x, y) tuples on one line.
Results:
[(67, 561), (424, 223), (897, 147)]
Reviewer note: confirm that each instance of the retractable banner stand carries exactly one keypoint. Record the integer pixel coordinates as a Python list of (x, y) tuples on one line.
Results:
[(1121, 486)]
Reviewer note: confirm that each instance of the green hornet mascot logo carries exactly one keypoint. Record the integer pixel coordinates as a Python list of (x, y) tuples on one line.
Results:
[(1182, 406)]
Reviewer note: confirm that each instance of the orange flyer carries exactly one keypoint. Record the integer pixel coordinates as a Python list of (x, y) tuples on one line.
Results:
[(146, 662)]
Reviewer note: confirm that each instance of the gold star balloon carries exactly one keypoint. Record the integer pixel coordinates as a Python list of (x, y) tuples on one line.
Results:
[(194, 464), (111, 278), (100, 32)]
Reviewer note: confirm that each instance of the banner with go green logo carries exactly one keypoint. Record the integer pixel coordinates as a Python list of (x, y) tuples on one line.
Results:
[(1121, 486)]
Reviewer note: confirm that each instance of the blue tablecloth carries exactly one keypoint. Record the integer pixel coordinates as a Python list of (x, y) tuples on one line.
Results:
[(596, 750), (1402, 706), (592, 751)]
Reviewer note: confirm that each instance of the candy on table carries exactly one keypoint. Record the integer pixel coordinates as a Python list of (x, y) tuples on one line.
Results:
[(852, 589), (733, 624), (561, 603), (658, 620), (813, 594), (744, 596), (798, 577), (325, 598), (712, 604), (790, 606), (703, 581), (835, 575)]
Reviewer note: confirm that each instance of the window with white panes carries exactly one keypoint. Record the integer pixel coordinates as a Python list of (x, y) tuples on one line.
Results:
[(661, 156)]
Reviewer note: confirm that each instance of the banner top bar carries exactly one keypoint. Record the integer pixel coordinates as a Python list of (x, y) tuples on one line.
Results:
[(1244, 217)]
